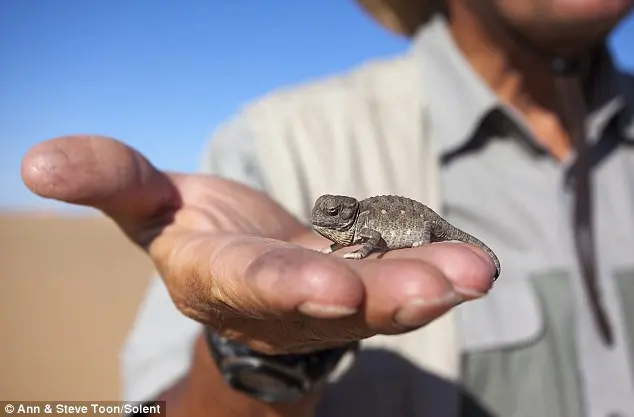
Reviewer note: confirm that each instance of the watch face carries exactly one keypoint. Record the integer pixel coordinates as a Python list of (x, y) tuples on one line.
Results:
[(265, 383)]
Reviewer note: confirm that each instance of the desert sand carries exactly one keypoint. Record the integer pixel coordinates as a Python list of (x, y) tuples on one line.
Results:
[(69, 290)]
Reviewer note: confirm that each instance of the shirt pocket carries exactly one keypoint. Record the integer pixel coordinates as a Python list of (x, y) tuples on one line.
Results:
[(509, 316), (518, 342)]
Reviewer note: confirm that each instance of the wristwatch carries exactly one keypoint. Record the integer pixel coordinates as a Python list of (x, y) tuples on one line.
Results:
[(273, 378)]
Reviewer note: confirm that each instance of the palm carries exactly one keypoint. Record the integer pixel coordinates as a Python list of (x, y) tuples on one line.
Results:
[(212, 204), (216, 215)]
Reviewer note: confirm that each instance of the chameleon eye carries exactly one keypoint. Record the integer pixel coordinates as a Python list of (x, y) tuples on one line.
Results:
[(332, 210)]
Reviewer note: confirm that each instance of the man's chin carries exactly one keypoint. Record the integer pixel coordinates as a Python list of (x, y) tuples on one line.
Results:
[(569, 36), (591, 10)]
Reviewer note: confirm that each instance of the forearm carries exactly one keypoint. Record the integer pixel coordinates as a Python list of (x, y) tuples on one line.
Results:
[(203, 392)]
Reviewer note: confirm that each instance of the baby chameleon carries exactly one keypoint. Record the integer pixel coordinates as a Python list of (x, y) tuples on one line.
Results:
[(384, 223)]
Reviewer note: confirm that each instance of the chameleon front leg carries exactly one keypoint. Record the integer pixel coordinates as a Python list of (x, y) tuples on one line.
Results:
[(425, 235), (332, 248), (372, 239)]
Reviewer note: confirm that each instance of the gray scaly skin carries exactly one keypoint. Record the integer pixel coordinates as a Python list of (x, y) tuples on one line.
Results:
[(384, 223)]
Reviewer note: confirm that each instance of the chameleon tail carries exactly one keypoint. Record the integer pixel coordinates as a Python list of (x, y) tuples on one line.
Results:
[(461, 236)]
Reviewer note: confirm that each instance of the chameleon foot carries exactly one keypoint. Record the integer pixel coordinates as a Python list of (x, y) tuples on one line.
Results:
[(357, 254)]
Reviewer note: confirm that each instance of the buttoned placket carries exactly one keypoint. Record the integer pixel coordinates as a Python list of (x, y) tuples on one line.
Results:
[(602, 364)]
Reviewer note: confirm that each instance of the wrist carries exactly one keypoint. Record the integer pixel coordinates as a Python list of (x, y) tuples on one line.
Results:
[(273, 379)]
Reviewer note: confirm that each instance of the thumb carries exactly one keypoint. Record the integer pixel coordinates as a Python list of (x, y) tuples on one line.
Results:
[(100, 172)]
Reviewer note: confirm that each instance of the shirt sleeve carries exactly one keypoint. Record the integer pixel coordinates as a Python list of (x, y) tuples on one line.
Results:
[(159, 347)]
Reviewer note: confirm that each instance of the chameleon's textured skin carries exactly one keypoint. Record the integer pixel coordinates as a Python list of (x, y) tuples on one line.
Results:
[(384, 223)]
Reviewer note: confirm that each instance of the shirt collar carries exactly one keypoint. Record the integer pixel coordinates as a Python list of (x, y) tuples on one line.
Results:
[(610, 96), (459, 99)]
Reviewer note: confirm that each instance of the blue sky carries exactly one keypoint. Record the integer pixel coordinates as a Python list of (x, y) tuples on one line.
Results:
[(161, 74)]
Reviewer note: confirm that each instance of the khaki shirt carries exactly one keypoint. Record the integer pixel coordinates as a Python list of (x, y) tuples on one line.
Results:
[(529, 347)]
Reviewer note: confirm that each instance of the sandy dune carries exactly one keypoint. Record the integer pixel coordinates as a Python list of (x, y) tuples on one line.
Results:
[(69, 288)]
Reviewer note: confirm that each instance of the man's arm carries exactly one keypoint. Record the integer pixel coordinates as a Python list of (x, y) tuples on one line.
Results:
[(166, 356), (203, 392)]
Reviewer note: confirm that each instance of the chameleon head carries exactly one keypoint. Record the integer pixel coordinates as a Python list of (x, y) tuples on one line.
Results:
[(334, 216)]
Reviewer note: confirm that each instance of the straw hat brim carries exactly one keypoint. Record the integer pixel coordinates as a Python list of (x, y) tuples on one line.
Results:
[(402, 17)]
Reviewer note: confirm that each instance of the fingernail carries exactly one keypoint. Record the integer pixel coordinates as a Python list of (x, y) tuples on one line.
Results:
[(468, 293), (420, 311), (325, 311)]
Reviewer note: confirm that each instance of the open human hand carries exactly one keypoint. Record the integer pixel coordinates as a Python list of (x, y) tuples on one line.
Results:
[(235, 260)]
